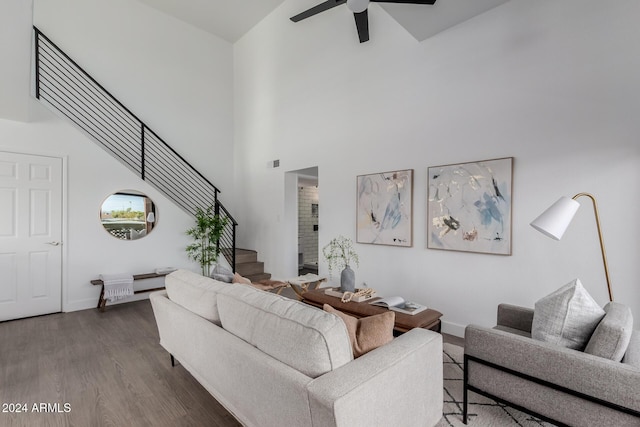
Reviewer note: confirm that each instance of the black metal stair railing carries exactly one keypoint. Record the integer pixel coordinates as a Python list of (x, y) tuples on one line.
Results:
[(65, 86)]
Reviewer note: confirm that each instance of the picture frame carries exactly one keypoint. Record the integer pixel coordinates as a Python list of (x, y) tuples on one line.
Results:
[(469, 206), (384, 208)]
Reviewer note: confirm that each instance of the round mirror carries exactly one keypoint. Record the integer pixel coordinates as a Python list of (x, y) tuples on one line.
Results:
[(128, 215)]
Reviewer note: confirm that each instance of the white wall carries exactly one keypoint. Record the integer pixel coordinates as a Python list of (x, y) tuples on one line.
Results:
[(176, 78), (173, 76), (553, 84), (15, 52), (91, 175)]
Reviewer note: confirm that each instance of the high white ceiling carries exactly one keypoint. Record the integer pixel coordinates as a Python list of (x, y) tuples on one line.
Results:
[(227, 19), (231, 19), (425, 21)]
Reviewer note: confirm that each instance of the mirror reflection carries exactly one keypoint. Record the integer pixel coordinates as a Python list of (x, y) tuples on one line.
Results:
[(128, 215)]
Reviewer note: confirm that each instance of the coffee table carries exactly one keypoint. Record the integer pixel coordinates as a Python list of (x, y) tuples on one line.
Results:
[(427, 319)]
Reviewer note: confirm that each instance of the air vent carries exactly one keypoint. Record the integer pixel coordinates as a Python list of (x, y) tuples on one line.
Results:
[(273, 164)]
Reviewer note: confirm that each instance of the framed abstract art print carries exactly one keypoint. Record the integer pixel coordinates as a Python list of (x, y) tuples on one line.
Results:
[(385, 208), (469, 206)]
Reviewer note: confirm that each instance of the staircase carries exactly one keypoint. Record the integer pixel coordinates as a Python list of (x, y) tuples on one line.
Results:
[(64, 86), (247, 265)]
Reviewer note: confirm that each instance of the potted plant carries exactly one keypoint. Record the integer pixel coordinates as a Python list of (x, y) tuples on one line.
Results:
[(206, 234), (339, 254)]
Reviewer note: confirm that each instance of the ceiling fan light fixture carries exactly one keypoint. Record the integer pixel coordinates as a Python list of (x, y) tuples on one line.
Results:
[(357, 6)]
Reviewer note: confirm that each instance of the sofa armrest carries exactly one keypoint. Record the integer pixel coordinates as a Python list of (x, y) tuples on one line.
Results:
[(632, 356), (594, 376), (515, 317), (406, 371), (163, 311)]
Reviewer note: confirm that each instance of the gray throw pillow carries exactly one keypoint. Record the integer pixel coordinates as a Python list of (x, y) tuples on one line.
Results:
[(222, 273), (612, 336), (566, 317)]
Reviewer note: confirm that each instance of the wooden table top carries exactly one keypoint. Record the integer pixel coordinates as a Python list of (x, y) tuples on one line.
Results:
[(428, 319)]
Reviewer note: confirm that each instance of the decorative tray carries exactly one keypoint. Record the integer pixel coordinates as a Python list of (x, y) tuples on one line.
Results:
[(335, 292)]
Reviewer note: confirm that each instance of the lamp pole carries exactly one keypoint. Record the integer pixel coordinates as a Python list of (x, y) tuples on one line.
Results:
[(604, 255)]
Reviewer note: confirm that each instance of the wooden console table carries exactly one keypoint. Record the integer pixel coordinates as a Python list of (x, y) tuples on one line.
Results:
[(102, 302), (427, 319)]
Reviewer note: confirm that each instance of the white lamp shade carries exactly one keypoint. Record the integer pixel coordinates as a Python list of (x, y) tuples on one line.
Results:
[(357, 6), (554, 221), (151, 217)]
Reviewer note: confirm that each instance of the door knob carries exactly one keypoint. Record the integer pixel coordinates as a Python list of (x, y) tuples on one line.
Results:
[(53, 243)]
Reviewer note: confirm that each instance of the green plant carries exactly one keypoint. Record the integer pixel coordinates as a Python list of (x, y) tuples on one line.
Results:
[(206, 234), (339, 253)]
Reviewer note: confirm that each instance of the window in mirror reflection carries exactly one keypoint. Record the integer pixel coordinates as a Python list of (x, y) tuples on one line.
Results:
[(128, 215)]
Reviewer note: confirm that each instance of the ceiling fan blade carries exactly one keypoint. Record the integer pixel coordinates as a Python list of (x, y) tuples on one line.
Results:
[(362, 24), (406, 1), (329, 4)]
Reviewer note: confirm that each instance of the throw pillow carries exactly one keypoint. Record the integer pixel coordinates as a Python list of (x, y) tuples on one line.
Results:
[(222, 274), (566, 317), (612, 336), (367, 333), (239, 279)]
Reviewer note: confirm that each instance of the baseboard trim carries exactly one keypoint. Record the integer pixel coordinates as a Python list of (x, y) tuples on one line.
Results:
[(453, 329), (80, 304), (92, 303)]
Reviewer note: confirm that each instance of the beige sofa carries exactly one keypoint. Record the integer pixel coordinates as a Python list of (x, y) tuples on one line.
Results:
[(272, 361)]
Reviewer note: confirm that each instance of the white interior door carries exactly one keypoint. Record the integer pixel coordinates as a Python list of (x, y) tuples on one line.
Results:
[(30, 235)]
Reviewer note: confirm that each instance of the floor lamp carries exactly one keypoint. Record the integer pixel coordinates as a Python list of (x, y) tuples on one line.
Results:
[(554, 222)]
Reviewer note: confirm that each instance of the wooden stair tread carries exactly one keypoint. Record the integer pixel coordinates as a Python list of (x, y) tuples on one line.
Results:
[(247, 265)]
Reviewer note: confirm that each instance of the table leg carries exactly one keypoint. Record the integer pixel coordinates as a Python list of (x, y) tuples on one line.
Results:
[(300, 289), (317, 284), (102, 301), (304, 287)]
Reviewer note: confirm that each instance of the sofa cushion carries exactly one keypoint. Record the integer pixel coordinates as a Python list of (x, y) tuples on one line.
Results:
[(566, 317), (512, 331), (367, 333), (196, 293), (612, 336), (303, 337)]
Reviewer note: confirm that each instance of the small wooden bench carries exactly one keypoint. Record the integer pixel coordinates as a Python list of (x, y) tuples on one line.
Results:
[(102, 302)]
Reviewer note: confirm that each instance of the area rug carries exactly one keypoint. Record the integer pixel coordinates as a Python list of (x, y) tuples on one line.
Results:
[(483, 412)]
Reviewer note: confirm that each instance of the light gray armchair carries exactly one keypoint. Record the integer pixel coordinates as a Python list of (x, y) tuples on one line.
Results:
[(560, 385)]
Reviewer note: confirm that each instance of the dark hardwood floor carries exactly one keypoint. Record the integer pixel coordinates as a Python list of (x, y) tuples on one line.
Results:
[(452, 339), (107, 367)]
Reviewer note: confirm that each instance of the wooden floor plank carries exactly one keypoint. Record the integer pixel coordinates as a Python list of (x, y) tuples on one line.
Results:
[(108, 367)]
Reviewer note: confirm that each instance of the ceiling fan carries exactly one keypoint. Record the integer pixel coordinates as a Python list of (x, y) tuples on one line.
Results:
[(359, 9)]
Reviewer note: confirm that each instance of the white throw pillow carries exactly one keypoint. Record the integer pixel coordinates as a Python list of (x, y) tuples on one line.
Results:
[(566, 317)]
